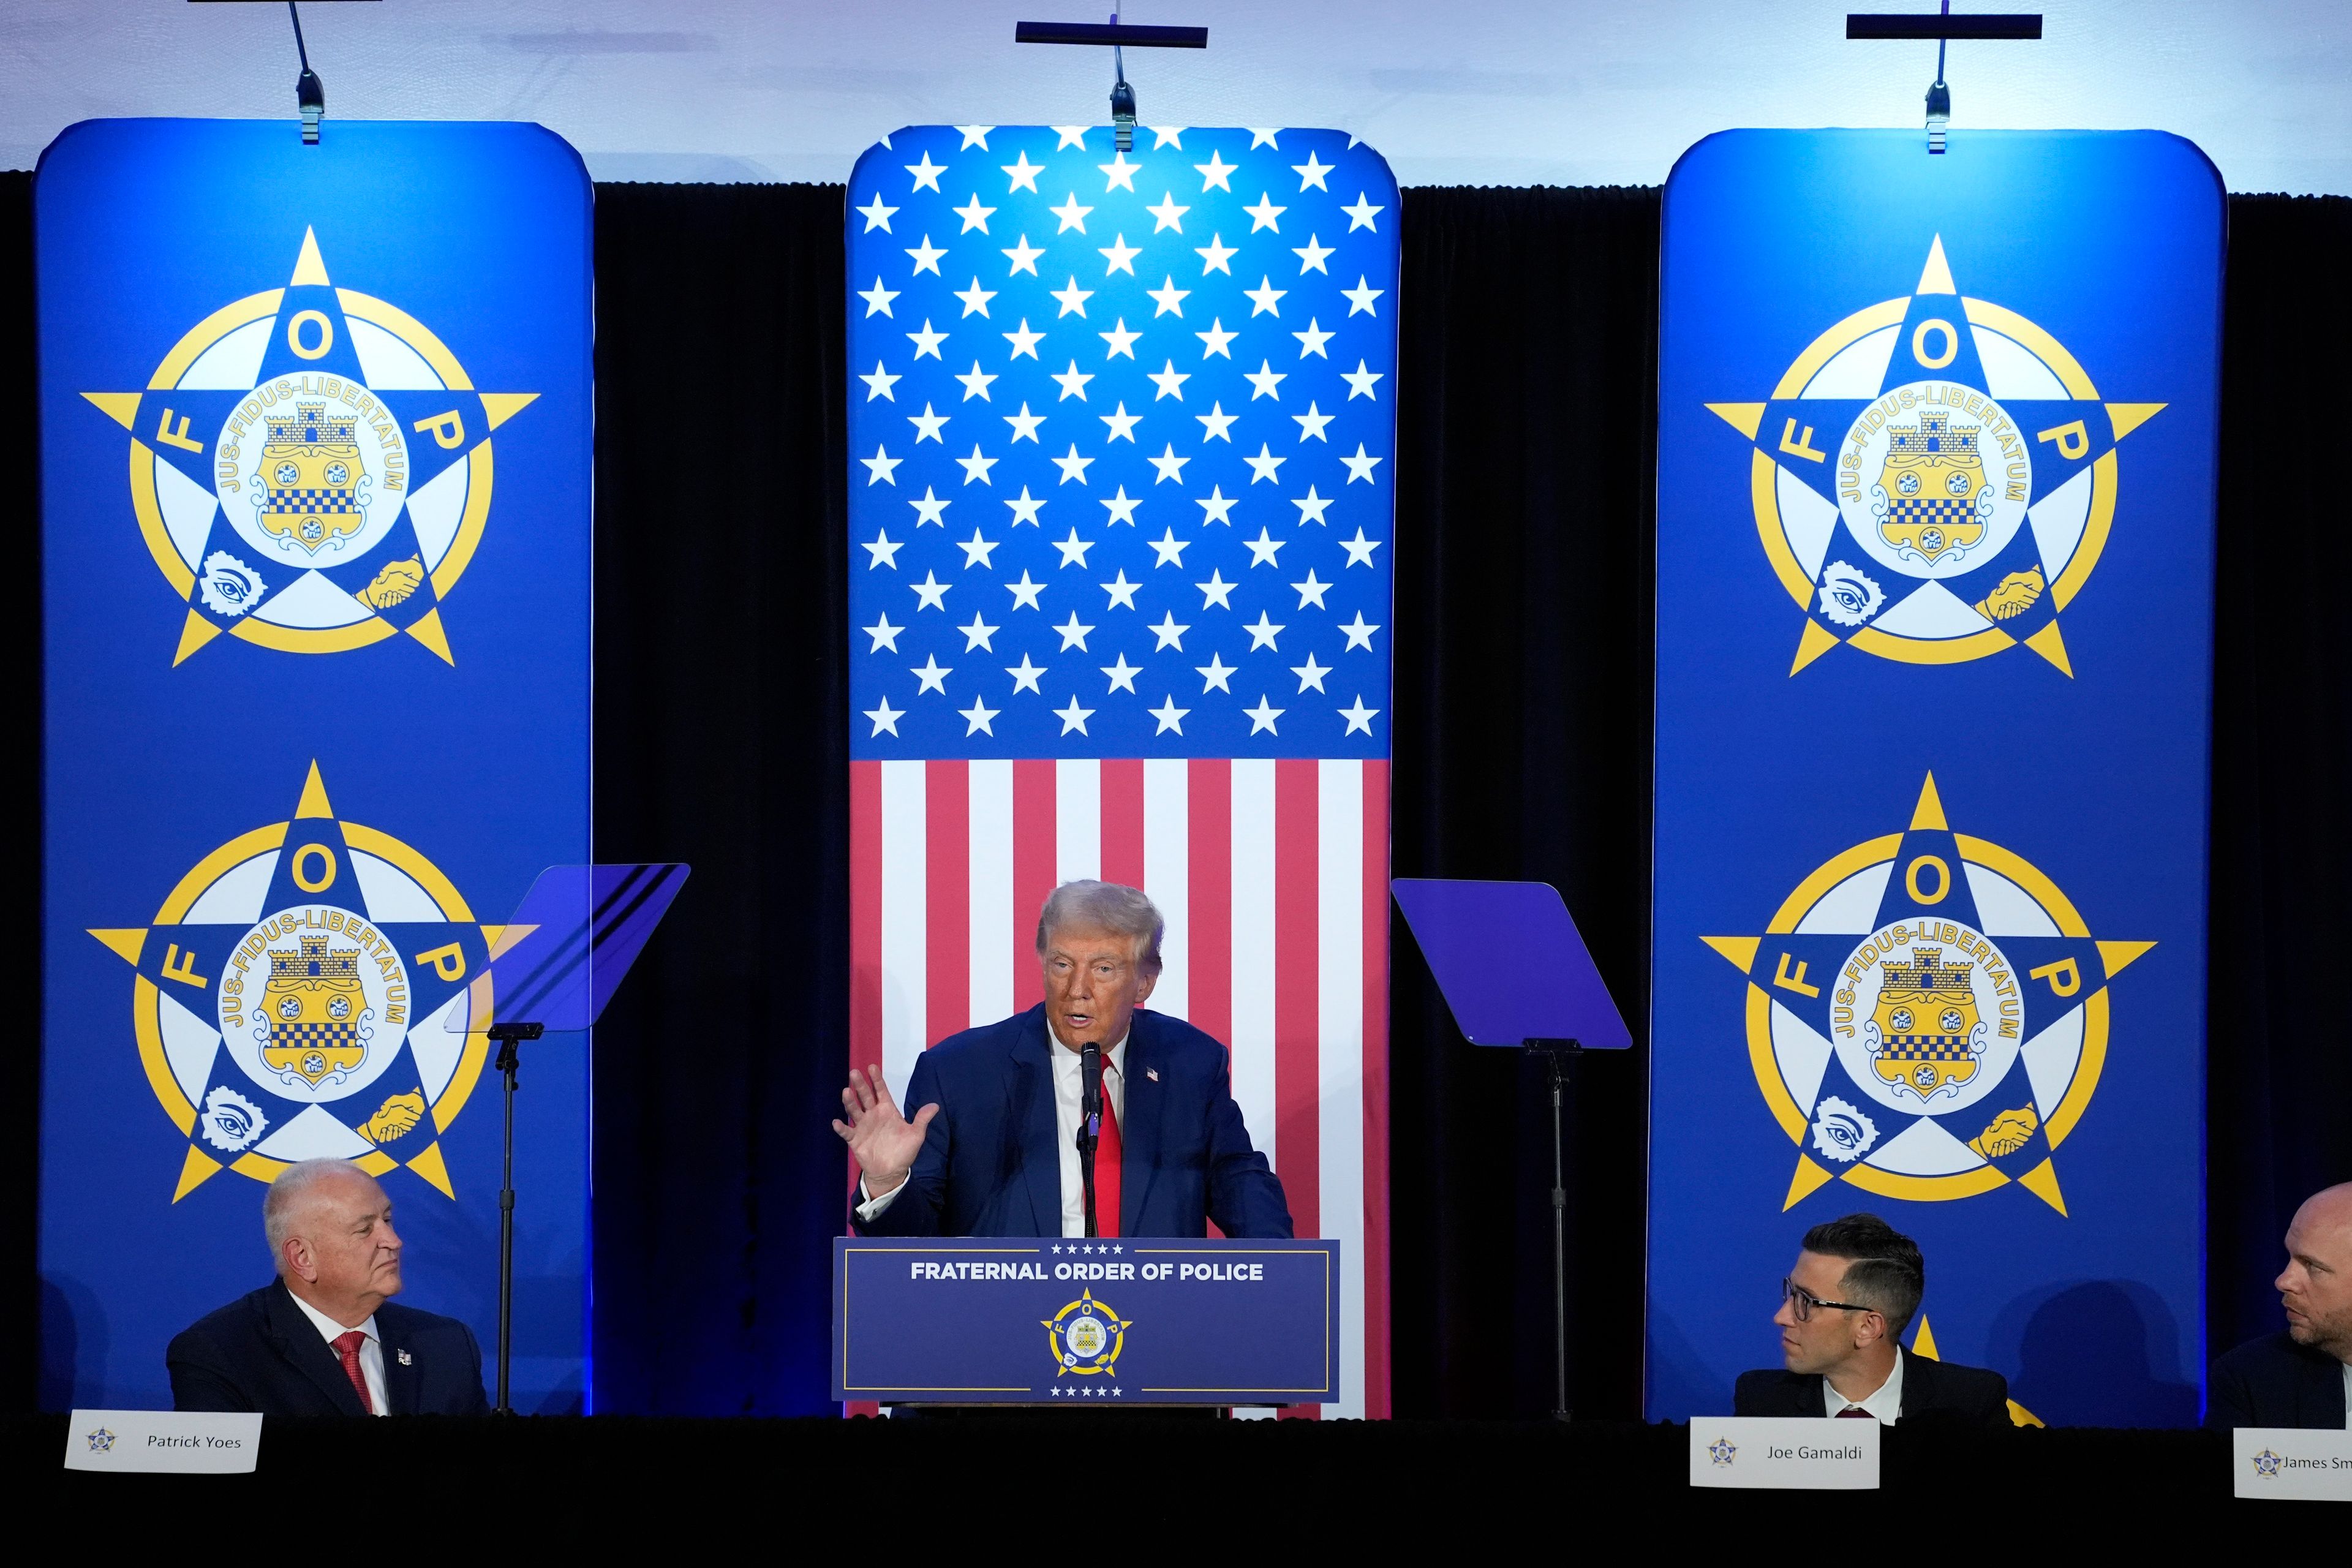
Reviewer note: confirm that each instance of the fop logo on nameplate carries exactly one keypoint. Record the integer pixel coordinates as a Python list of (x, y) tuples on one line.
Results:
[(1784, 1451), (2287, 1463), (185, 1442)]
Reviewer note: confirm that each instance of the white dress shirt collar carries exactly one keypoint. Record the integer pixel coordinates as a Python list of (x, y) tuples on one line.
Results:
[(371, 1349), (1887, 1403)]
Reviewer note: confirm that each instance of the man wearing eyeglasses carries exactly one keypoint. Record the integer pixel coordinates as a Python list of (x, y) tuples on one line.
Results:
[(1855, 1286)]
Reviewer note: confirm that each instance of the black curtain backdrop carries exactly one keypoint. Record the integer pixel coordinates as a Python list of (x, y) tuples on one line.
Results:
[(20, 825), (2279, 1032), (1522, 707), (722, 543), (1526, 463)]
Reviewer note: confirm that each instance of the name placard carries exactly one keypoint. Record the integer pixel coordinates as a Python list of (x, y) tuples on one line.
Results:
[(186, 1442), (2291, 1463), (1784, 1451)]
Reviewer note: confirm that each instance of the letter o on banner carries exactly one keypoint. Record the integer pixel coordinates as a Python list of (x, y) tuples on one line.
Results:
[(1919, 343), (1943, 879), (303, 859), (294, 326)]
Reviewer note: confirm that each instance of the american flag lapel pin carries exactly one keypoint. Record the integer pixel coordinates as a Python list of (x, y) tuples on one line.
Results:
[(403, 1358), (1151, 1073)]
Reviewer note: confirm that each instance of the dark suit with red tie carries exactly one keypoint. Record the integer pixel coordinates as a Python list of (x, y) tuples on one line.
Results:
[(260, 1352), (1935, 1394), (991, 1164)]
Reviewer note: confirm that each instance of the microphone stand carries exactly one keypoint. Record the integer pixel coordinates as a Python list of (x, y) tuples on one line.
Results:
[(1089, 1122)]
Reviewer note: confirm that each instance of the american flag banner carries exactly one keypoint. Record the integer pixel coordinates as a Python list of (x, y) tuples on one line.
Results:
[(1122, 432)]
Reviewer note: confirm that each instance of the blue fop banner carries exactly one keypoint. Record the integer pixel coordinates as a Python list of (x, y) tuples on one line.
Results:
[(1934, 569), (999, 1320), (315, 476)]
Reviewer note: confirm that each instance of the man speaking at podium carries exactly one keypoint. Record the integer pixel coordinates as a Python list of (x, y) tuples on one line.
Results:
[(994, 1149)]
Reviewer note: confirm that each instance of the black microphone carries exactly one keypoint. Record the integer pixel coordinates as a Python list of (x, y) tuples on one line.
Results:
[(1089, 1122)]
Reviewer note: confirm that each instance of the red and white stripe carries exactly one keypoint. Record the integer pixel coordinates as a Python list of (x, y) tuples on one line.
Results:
[(1273, 875)]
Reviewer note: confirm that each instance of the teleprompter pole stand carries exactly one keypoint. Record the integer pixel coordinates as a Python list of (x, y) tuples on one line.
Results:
[(1560, 1056), (507, 1036)]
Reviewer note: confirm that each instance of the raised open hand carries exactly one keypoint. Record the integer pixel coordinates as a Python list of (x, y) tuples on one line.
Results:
[(882, 1141)]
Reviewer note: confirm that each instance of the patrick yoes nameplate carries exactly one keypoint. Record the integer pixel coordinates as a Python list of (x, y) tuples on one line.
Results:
[(188, 1442)]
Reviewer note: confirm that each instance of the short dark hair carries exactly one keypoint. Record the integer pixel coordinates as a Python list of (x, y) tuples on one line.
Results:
[(1884, 1268)]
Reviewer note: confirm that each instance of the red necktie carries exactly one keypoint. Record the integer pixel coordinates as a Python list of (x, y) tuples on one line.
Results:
[(347, 1346), (1107, 1168), (1856, 1413)]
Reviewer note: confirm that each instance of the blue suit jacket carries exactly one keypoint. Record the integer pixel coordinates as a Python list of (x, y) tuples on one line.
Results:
[(991, 1159)]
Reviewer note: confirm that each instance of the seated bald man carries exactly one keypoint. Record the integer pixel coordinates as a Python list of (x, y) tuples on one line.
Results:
[(992, 1151), (2302, 1377), (323, 1337), (1843, 1308)]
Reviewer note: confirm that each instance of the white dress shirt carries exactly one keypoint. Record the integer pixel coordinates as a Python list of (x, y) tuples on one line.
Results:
[(371, 1350), (1887, 1403), (1069, 1093)]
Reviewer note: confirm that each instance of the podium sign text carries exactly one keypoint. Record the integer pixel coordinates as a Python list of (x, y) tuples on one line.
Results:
[(1127, 1321)]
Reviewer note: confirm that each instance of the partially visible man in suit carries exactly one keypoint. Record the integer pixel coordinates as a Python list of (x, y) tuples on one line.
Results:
[(992, 1151), (2303, 1376), (1843, 1307), (323, 1337)]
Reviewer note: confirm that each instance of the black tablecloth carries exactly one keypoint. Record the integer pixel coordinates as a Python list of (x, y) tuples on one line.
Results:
[(1178, 1479)]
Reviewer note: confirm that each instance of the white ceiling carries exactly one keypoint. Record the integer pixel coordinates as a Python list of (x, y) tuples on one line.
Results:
[(1507, 93)]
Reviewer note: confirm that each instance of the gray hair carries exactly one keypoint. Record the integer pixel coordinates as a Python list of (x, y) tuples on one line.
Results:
[(282, 1202), (1106, 906)]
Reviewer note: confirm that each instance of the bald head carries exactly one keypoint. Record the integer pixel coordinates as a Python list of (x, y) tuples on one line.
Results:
[(2329, 1207), (2316, 1287)]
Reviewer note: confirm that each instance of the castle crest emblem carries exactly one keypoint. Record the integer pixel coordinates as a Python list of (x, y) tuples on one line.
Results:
[(1085, 1338), (1931, 487), (313, 988), (1934, 478), (311, 1011), (311, 476), (1928, 1017), (310, 466), (1927, 1024)]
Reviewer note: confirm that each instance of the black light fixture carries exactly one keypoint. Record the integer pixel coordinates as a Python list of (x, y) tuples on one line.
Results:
[(310, 92), (1116, 33), (1943, 27)]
